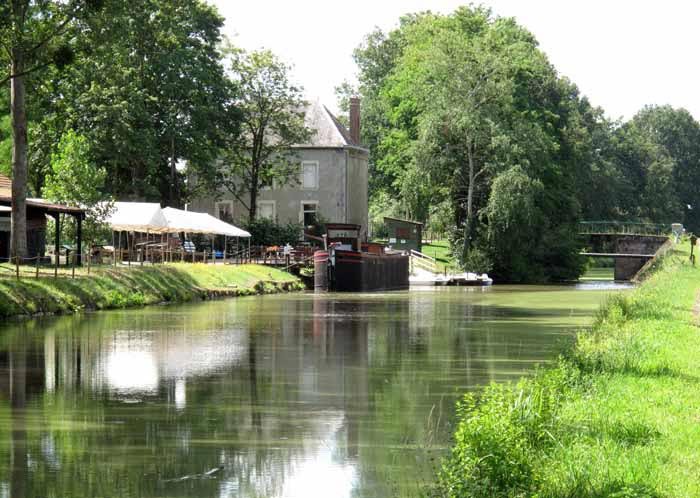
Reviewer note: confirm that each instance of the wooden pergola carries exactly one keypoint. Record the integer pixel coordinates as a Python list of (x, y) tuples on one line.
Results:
[(38, 209)]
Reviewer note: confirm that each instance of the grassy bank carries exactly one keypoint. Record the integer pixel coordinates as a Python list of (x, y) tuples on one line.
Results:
[(618, 416), (440, 250), (107, 288)]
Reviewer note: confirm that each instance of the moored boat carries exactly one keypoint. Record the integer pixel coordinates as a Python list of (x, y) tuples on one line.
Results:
[(349, 265)]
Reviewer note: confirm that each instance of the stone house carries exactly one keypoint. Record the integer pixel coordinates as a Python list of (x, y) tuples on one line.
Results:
[(332, 184)]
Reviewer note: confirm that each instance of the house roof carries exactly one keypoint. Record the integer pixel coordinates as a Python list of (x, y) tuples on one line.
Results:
[(50, 207), (402, 221), (6, 200), (327, 131)]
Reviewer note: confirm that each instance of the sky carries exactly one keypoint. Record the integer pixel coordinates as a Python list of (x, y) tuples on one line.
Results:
[(622, 54)]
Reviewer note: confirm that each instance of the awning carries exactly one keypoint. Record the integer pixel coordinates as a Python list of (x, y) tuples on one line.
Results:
[(193, 222), (138, 217)]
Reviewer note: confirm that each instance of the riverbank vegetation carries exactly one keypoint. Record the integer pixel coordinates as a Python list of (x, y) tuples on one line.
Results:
[(472, 131), (616, 416), (107, 288)]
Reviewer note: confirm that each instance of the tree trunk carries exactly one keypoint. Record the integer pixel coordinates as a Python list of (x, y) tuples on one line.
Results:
[(253, 206), (468, 222), (173, 187), (18, 234)]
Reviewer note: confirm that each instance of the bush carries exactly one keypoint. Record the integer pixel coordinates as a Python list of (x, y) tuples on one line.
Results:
[(478, 261), (266, 232), (498, 434)]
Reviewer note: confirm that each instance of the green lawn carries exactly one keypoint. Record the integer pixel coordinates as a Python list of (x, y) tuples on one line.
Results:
[(440, 250), (618, 415)]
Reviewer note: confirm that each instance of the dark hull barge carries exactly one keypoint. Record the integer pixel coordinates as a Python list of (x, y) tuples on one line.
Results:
[(347, 265)]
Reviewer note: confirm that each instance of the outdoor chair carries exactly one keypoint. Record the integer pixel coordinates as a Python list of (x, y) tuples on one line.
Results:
[(189, 248)]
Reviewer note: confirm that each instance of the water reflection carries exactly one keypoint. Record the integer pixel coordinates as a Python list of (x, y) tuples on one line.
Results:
[(283, 396)]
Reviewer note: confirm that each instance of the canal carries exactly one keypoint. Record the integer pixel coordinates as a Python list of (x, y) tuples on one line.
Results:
[(292, 395)]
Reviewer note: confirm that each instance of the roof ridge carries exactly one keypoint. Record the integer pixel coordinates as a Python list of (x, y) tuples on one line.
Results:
[(344, 132)]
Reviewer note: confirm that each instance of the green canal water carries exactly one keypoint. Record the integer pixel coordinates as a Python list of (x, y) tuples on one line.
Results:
[(275, 396)]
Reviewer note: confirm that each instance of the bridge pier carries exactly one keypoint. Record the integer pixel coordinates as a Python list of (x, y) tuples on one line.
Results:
[(630, 252), (627, 268)]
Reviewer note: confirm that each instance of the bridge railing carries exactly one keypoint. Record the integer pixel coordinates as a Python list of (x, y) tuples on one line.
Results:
[(623, 228)]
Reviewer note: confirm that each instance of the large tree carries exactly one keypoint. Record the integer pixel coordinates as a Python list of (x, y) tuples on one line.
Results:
[(272, 113), (34, 35), (464, 98), (148, 92)]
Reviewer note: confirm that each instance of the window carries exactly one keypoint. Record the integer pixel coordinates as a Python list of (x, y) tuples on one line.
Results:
[(224, 210), (309, 175), (266, 209), (267, 184), (307, 215)]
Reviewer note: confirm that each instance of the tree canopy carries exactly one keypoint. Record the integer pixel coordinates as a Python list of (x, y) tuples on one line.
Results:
[(272, 111), (460, 109)]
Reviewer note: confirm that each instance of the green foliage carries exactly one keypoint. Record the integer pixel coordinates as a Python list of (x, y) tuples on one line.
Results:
[(497, 435), (75, 180), (450, 102), (272, 113), (381, 205), (612, 417), (267, 232), (515, 224), (147, 91), (454, 101), (5, 145), (478, 261)]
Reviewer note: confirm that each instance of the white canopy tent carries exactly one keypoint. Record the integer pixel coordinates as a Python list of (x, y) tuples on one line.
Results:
[(138, 217), (193, 222), (150, 218)]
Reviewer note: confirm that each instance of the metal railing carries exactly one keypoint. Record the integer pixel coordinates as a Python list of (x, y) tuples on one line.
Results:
[(66, 266), (423, 262), (622, 228)]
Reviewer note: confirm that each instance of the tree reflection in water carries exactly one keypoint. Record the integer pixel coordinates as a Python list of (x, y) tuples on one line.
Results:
[(296, 395)]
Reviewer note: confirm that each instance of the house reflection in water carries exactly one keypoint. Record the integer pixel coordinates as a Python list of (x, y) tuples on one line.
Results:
[(279, 396)]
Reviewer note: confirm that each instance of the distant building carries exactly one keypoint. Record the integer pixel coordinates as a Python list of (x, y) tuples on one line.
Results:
[(404, 234), (332, 183)]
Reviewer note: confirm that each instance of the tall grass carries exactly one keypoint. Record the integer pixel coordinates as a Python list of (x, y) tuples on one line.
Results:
[(616, 416)]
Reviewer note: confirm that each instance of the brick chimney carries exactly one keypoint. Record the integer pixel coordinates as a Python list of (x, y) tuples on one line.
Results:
[(355, 119)]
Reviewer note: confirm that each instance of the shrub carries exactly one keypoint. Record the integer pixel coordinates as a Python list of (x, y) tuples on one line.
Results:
[(266, 232), (498, 434)]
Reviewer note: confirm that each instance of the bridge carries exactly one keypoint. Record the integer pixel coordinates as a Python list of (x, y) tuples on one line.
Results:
[(622, 228), (630, 244)]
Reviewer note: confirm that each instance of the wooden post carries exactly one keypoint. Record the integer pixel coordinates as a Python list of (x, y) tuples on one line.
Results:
[(79, 248), (17, 266), (57, 242), (37, 267)]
